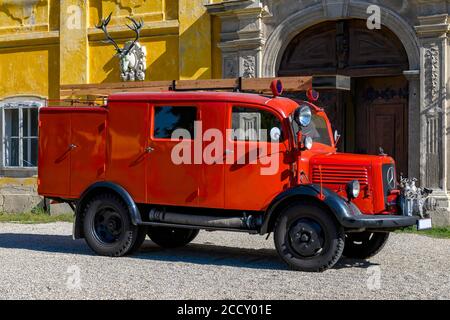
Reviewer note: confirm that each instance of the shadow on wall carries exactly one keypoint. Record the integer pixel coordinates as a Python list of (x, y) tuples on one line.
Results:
[(202, 254)]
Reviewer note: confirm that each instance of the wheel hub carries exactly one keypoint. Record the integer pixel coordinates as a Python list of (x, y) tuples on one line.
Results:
[(108, 226), (306, 237)]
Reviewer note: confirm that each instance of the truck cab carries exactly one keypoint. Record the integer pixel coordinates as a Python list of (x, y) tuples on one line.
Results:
[(168, 164)]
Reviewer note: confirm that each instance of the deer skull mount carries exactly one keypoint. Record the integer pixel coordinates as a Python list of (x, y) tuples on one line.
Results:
[(132, 56)]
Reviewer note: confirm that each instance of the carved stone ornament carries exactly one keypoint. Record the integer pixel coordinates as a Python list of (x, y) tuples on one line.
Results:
[(133, 56), (432, 75), (248, 67), (134, 65)]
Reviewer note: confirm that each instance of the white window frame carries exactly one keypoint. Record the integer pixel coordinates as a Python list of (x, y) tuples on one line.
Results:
[(21, 104)]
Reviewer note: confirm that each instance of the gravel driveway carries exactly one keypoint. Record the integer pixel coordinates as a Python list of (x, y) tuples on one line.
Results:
[(42, 262)]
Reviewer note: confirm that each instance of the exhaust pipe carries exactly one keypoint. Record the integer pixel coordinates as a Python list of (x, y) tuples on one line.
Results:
[(244, 222)]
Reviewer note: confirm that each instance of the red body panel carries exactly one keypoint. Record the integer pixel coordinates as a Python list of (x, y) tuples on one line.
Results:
[(113, 143), (128, 128), (169, 183), (245, 183)]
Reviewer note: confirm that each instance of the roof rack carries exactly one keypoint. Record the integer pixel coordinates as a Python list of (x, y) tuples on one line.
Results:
[(258, 85), (93, 102)]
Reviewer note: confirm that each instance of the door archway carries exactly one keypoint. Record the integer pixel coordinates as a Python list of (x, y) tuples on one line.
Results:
[(373, 117)]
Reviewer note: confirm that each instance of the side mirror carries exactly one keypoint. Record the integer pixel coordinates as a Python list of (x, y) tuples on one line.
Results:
[(337, 137), (275, 134)]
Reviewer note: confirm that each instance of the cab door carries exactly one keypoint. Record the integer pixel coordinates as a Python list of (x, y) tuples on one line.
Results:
[(257, 166), (172, 174), (211, 189)]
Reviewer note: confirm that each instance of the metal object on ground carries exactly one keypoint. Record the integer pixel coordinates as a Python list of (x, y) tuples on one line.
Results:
[(413, 198)]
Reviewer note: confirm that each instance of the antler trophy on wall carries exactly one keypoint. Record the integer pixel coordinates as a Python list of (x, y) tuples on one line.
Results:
[(133, 55)]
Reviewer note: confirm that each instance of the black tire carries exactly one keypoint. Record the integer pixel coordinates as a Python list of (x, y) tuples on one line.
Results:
[(363, 245), (168, 237), (107, 226), (308, 238)]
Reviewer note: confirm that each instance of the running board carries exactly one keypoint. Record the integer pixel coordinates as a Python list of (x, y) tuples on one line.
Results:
[(188, 226)]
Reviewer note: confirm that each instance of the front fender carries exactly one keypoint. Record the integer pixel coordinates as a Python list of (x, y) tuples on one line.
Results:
[(343, 211)]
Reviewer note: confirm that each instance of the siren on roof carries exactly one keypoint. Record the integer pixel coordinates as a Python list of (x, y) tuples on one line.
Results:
[(277, 87), (312, 95)]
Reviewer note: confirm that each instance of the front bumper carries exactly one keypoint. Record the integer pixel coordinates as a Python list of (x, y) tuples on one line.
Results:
[(357, 220), (379, 222)]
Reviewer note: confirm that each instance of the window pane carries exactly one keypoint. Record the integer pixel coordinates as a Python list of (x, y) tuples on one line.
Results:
[(168, 119), (26, 118), (252, 124), (30, 152), (317, 130), (12, 122), (12, 152), (30, 122), (34, 113)]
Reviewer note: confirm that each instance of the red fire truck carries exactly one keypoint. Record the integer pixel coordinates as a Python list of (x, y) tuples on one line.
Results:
[(136, 166)]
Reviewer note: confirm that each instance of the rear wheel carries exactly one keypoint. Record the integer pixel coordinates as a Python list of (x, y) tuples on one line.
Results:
[(168, 237), (308, 238), (108, 228), (364, 245)]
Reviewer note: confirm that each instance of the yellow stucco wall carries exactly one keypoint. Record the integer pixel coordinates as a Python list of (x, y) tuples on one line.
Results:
[(29, 65), (40, 49), (30, 70)]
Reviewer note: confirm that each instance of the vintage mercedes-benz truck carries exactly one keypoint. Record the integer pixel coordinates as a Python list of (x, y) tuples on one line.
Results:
[(169, 164)]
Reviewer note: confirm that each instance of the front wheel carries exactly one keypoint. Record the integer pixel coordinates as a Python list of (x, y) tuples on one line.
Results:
[(168, 237), (308, 238), (364, 245)]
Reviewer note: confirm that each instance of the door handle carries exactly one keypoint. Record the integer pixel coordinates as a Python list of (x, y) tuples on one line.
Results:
[(149, 149), (72, 146)]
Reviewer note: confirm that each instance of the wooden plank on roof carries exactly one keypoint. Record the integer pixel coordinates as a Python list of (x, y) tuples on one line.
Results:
[(290, 84)]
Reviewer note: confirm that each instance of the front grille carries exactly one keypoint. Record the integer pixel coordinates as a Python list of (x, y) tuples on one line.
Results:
[(336, 175)]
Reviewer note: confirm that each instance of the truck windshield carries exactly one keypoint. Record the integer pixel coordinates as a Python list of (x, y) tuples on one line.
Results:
[(317, 130)]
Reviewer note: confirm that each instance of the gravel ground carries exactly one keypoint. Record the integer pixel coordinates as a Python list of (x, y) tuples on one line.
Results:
[(39, 262)]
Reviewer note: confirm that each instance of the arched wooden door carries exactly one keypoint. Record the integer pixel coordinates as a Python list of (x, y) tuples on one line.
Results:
[(374, 113)]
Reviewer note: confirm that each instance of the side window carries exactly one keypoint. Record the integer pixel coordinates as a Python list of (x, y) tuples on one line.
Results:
[(252, 124), (167, 119)]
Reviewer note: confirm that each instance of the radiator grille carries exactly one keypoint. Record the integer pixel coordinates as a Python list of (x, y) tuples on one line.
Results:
[(335, 175)]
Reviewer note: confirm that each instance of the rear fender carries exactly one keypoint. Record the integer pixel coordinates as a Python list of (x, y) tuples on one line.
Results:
[(98, 188)]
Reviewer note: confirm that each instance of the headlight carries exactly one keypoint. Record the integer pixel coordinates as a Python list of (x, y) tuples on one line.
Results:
[(353, 189), (303, 116), (308, 143)]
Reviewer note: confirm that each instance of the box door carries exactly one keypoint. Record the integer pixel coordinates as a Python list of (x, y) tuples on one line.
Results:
[(87, 163), (54, 153), (127, 139)]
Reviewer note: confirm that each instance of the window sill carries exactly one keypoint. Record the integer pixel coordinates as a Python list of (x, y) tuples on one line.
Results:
[(18, 172)]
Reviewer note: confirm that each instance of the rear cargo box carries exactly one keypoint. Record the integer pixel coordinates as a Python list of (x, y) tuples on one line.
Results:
[(72, 150)]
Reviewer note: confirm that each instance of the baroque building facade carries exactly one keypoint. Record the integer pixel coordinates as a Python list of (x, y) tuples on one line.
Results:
[(399, 69)]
